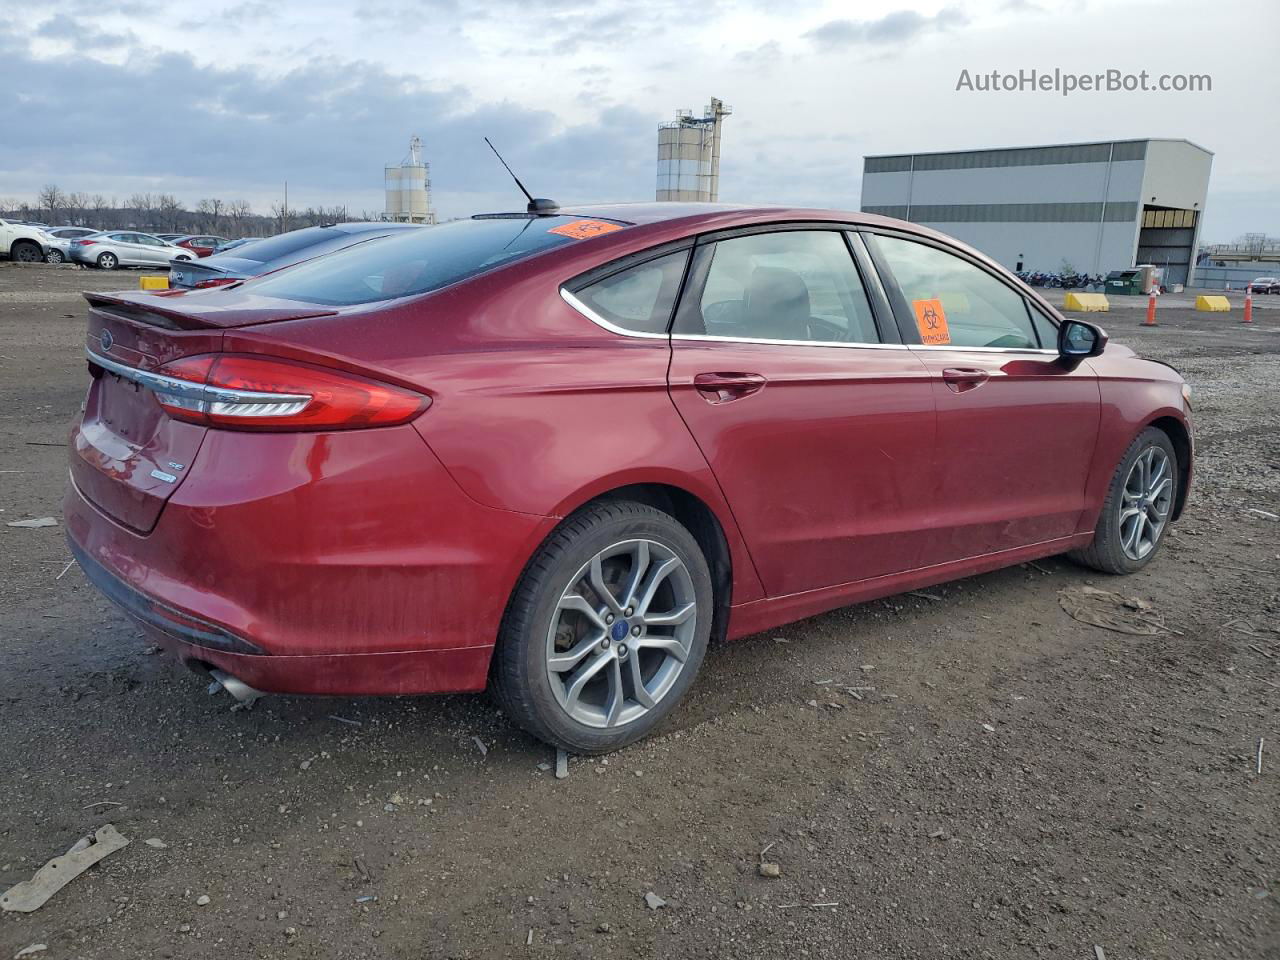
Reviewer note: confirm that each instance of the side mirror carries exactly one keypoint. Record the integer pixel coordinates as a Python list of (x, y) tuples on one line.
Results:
[(1078, 340)]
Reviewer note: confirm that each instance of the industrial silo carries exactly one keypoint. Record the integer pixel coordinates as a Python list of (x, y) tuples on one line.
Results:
[(408, 188), (689, 154)]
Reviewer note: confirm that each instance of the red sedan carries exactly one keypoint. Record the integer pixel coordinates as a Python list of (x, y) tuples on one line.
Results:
[(202, 245), (555, 454)]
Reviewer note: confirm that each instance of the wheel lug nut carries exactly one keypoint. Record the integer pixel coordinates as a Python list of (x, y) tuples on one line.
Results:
[(630, 611), (608, 618), (635, 631)]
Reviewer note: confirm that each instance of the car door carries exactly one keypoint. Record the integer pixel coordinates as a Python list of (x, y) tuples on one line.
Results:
[(1016, 425), (128, 247), (817, 423)]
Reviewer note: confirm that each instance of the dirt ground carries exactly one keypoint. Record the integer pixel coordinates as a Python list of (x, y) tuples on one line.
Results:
[(1004, 781)]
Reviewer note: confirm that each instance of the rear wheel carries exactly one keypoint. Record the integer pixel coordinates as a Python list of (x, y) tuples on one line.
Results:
[(108, 261), (26, 251), (606, 629), (1138, 507)]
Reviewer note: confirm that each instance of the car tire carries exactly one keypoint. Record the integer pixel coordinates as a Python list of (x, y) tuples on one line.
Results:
[(107, 261), (26, 251), (1124, 544), (571, 666), (55, 257)]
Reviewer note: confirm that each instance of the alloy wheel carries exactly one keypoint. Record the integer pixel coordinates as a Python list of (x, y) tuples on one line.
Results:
[(1145, 502), (621, 633)]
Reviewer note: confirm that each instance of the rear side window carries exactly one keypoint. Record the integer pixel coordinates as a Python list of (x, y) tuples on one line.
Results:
[(798, 285), (954, 303), (418, 261), (639, 299)]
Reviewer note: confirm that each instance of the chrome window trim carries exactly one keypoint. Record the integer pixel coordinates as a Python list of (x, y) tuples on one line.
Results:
[(600, 321), (861, 346), (172, 386)]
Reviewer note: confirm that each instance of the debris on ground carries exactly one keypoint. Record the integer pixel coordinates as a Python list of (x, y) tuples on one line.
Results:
[(768, 868), (562, 764), (653, 901), (155, 842), (202, 900), (350, 723), (31, 950), (36, 522), (1261, 741), (484, 751), (1112, 611), (32, 894), (1262, 513), (924, 596), (1098, 954)]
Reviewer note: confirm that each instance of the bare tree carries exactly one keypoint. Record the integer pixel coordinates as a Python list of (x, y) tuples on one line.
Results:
[(51, 198), (239, 211), (283, 217), (169, 210), (143, 206), (211, 208), (77, 207)]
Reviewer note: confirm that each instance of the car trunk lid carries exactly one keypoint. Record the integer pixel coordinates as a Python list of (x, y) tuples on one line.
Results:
[(128, 457)]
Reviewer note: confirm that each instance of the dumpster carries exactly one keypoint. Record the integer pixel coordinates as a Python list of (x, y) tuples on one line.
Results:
[(1124, 283)]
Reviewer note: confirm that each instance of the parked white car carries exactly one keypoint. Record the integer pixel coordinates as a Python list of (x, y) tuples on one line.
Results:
[(22, 242), (126, 248), (60, 238)]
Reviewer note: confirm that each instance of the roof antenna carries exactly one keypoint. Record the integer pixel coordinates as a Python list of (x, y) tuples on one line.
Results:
[(536, 206)]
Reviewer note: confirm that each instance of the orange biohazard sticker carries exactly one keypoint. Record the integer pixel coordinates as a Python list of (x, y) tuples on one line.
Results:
[(931, 321), (585, 229)]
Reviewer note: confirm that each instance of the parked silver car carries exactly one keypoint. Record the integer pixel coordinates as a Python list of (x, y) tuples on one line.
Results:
[(60, 238), (124, 248)]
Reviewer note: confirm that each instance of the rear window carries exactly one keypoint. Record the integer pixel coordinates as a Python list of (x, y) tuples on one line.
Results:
[(419, 261), (286, 243)]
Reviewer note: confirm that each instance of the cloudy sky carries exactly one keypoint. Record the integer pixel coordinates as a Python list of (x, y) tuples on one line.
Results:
[(230, 98)]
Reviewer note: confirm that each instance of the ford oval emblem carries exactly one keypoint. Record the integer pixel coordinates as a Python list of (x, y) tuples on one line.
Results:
[(107, 339)]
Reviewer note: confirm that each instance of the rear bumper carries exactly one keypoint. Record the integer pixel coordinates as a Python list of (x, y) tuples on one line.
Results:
[(344, 564)]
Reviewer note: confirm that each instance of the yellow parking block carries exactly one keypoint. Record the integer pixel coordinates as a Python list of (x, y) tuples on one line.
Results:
[(1213, 304), (1087, 302), (153, 283)]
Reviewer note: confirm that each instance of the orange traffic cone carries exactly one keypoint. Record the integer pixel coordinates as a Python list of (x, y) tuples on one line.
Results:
[(1151, 308), (1248, 304)]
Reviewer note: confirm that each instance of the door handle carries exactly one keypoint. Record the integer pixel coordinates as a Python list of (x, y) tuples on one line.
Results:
[(960, 379), (723, 387)]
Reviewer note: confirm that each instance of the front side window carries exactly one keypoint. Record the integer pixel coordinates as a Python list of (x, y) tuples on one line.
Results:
[(798, 285), (639, 298), (954, 303)]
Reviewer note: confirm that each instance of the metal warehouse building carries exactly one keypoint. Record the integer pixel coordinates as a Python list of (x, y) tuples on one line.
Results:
[(1090, 207)]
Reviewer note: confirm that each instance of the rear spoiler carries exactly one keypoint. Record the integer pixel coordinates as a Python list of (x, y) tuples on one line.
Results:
[(170, 309)]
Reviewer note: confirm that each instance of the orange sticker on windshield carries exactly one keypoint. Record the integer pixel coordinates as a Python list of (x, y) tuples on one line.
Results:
[(585, 229), (931, 321)]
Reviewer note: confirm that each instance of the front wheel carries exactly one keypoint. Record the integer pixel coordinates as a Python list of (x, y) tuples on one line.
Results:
[(54, 256), (1138, 508), (25, 251), (606, 629)]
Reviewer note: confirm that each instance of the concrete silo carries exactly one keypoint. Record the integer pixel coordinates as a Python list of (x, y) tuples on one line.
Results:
[(409, 188), (689, 154)]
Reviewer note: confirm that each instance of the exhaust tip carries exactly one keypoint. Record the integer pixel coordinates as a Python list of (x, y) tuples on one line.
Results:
[(240, 690)]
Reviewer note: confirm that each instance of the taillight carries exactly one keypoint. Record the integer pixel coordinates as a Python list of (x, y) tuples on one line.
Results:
[(245, 392), (85, 243), (215, 282)]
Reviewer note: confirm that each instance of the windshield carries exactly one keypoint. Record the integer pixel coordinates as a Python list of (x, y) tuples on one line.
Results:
[(419, 261)]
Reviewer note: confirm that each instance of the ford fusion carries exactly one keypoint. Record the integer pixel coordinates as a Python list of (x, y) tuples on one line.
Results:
[(555, 454)]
